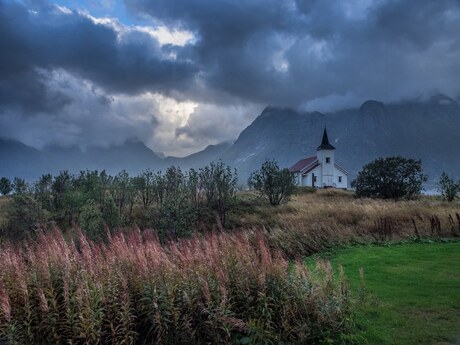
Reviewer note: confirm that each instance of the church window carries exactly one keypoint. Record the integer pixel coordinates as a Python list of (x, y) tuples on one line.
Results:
[(328, 159), (340, 178)]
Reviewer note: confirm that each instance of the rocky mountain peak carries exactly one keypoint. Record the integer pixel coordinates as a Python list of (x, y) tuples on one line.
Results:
[(372, 107), (441, 99)]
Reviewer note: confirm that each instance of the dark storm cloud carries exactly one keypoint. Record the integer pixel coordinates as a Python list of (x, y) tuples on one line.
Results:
[(293, 52), (34, 41), (245, 54), (261, 51)]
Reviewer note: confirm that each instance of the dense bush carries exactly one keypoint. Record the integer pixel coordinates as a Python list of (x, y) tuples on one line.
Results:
[(217, 290), (390, 178), (5, 186), (276, 184), (174, 203), (25, 216)]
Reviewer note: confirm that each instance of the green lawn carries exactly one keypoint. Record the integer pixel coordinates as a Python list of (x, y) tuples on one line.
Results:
[(413, 292)]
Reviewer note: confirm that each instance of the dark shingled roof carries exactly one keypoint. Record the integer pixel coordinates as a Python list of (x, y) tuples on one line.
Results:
[(303, 163), (310, 168), (325, 145)]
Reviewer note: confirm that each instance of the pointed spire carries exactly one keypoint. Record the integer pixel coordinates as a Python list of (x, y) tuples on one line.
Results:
[(325, 145)]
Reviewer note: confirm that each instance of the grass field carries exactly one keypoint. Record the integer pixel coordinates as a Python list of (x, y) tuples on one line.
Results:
[(339, 210), (413, 292)]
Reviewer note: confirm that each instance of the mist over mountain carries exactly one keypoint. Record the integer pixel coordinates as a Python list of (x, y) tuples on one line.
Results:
[(198, 159), (424, 129), (17, 159)]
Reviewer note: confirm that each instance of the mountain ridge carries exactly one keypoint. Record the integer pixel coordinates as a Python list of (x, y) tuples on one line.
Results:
[(426, 130)]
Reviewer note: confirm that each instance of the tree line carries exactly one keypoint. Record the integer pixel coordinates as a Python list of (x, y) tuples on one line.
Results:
[(173, 203), (177, 203)]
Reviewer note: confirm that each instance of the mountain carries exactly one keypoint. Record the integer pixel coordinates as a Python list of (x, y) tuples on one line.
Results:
[(133, 156), (17, 159), (198, 159), (427, 130)]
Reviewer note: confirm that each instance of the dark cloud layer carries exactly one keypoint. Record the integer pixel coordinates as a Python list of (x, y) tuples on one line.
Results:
[(246, 54), (46, 39), (292, 52)]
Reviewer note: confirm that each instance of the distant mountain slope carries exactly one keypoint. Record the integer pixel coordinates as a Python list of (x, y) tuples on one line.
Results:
[(133, 156), (198, 159), (17, 159), (427, 130)]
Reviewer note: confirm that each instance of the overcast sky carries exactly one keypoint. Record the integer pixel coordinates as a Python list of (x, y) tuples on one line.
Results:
[(182, 74)]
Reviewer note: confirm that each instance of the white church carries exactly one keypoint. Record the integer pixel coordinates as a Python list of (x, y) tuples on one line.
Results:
[(321, 170)]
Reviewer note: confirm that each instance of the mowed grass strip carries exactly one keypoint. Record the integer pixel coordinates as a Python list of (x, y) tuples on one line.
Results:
[(413, 292)]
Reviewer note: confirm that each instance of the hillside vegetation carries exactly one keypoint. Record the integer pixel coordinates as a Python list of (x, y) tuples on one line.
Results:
[(242, 283), (315, 221), (219, 289)]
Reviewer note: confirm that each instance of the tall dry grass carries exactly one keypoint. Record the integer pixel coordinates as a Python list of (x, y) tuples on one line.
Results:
[(220, 289), (313, 222)]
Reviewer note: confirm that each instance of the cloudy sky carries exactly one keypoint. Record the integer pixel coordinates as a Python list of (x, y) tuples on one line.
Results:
[(182, 74)]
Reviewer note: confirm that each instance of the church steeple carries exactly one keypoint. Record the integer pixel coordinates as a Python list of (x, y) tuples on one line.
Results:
[(325, 145)]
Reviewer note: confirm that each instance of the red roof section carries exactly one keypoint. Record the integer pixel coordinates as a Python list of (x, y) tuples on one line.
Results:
[(303, 163), (310, 168)]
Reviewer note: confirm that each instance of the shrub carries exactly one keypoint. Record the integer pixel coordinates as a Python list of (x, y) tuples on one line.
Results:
[(390, 178), (24, 217), (20, 185), (448, 187), (91, 220), (218, 183), (5, 186), (276, 184)]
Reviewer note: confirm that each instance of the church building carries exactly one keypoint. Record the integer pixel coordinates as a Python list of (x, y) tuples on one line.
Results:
[(321, 170)]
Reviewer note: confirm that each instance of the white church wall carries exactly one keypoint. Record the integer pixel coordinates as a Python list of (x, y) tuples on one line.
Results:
[(327, 159), (340, 179), (298, 179), (307, 179)]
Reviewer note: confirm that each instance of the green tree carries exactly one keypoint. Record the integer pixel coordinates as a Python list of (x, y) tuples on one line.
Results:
[(91, 220), (122, 189), (89, 183), (448, 187), (225, 181), (217, 182), (24, 216), (42, 191), (159, 187), (276, 184), (193, 186), (144, 186), (61, 184), (5, 186), (110, 213), (390, 178), (20, 185), (174, 216)]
